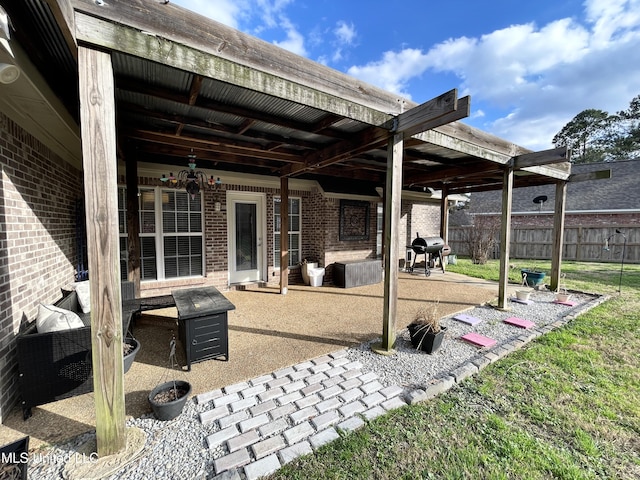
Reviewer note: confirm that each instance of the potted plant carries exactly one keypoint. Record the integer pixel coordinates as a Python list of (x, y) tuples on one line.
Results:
[(532, 277), (130, 348), (425, 331), (168, 399)]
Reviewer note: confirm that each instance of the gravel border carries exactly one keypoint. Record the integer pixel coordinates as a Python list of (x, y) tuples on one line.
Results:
[(413, 369), (178, 449)]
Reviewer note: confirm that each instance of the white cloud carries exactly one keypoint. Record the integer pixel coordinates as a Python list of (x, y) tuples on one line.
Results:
[(538, 77), (345, 33), (394, 71), (270, 10), (611, 18)]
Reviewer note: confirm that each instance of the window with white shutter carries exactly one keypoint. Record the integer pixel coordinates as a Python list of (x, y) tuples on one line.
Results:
[(173, 250)]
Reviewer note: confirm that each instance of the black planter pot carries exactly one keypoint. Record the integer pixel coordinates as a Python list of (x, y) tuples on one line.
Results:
[(169, 410), (131, 356), (424, 340)]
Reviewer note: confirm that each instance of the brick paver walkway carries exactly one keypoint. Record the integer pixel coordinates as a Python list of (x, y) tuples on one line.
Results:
[(270, 420)]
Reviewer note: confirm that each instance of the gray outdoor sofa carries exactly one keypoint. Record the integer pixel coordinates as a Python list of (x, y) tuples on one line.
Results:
[(58, 365)]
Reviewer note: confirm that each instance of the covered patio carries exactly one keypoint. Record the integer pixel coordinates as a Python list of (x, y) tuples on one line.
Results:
[(157, 84), (267, 332)]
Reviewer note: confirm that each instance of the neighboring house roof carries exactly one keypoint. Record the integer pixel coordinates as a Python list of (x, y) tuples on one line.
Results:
[(620, 192)]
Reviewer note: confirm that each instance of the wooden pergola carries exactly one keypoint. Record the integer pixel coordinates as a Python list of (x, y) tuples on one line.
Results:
[(156, 82)]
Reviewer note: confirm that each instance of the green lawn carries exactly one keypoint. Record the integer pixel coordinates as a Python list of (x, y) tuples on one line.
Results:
[(566, 406)]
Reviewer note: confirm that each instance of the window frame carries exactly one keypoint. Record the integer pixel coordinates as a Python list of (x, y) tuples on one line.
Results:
[(276, 243), (159, 235)]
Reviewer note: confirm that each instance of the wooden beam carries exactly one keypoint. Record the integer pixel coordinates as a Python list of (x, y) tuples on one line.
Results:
[(194, 91), (361, 142), (555, 171), (284, 234), (393, 200), (411, 121), (558, 234), (544, 157), (441, 115), (505, 236), (463, 111), (584, 177), (217, 146), (467, 170), (97, 113), (428, 115), (256, 66), (212, 128)]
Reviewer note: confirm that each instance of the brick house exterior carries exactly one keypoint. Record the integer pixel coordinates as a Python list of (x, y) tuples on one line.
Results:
[(38, 219), (38, 192)]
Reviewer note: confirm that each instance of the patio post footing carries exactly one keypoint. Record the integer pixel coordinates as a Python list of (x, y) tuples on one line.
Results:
[(379, 349)]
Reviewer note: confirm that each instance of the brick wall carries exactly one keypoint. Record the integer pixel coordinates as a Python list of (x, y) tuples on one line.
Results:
[(37, 238), (320, 235)]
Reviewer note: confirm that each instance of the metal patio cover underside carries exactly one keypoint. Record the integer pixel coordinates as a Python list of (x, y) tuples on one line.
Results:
[(185, 83)]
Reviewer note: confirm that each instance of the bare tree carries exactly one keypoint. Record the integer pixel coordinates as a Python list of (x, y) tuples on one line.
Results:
[(481, 237)]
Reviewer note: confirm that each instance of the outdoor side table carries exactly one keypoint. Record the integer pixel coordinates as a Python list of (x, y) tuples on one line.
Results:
[(203, 323)]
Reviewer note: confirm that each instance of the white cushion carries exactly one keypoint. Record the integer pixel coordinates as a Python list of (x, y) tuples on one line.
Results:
[(54, 319), (84, 296)]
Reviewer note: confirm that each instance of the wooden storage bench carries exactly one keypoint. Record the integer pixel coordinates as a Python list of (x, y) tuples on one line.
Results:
[(354, 273)]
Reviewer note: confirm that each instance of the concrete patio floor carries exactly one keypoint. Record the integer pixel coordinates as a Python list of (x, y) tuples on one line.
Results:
[(267, 331)]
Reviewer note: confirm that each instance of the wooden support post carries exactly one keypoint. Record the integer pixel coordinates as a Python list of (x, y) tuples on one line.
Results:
[(393, 199), (385, 213), (133, 224), (444, 222), (558, 234), (505, 234), (97, 113), (444, 215), (284, 234)]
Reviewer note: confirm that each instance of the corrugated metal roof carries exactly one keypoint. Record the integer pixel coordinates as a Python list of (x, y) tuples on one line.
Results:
[(163, 108)]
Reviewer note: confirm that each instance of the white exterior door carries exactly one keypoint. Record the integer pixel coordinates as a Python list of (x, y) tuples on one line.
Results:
[(246, 226)]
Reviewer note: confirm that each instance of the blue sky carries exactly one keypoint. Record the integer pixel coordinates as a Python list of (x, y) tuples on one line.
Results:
[(529, 67)]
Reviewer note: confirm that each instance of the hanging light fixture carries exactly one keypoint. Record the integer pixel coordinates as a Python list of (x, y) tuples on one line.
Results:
[(190, 179)]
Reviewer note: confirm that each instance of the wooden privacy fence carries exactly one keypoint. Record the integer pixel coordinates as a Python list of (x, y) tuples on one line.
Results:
[(581, 243)]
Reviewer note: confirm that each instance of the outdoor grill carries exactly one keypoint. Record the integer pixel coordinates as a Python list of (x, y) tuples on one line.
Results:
[(430, 247)]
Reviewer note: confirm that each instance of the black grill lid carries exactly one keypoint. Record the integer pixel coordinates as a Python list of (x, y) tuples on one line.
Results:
[(427, 245)]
